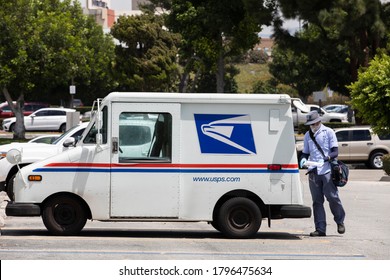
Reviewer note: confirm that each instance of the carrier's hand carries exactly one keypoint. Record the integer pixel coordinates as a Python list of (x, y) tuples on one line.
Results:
[(303, 162)]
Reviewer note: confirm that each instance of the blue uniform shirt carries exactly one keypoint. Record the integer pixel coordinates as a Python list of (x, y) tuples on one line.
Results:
[(326, 139)]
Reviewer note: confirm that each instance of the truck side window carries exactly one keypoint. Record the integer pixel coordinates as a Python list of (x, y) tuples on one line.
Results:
[(90, 138), (145, 136)]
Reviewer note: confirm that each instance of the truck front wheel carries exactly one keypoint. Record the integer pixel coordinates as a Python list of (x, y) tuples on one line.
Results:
[(239, 217), (64, 215)]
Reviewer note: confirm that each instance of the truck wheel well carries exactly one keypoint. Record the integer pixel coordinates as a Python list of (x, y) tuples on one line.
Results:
[(82, 201), (239, 193), (14, 170)]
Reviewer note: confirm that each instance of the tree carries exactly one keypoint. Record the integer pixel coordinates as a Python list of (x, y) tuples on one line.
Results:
[(213, 31), (146, 55), (312, 65), (45, 44), (371, 94), (349, 32)]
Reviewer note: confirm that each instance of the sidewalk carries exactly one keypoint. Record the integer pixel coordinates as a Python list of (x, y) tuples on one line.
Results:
[(3, 204)]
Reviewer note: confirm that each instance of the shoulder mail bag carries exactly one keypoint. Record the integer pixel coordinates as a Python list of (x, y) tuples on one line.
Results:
[(339, 169)]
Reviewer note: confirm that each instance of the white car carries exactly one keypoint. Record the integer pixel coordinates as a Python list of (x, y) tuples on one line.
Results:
[(49, 119), (328, 116), (334, 107), (47, 139), (32, 152)]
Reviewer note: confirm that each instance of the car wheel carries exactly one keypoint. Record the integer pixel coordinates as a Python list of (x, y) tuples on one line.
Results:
[(11, 128), (64, 215), (376, 161), (10, 188), (239, 217), (62, 128)]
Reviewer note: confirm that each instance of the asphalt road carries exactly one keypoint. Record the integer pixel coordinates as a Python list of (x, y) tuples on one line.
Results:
[(365, 198)]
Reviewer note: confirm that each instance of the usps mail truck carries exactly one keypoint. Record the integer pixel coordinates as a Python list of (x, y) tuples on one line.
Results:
[(226, 159)]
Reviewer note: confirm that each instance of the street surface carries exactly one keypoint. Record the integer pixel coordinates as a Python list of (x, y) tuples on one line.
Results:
[(365, 198)]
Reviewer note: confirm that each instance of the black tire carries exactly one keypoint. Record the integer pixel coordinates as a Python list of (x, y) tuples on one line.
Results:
[(376, 160), (215, 225), (239, 217), (10, 188), (64, 215), (62, 128), (11, 128)]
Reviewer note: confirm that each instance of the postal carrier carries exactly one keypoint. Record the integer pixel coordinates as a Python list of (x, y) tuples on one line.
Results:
[(227, 159)]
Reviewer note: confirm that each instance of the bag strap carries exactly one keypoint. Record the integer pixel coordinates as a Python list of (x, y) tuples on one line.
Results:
[(315, 142)]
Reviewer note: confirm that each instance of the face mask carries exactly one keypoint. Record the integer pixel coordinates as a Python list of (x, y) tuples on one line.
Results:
[(314, 128)]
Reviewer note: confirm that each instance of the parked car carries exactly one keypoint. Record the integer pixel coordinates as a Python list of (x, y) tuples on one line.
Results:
[(33, 152), (49, 119), (47, 138), (77, 103), (359, 145), (299, 116), (334, 107), (29, 108)]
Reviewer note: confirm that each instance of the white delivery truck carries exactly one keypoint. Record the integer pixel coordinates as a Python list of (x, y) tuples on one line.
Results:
[(227, 159)]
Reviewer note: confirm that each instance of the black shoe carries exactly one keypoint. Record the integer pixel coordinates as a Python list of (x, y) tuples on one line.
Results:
[(340, 228), (317, 233)]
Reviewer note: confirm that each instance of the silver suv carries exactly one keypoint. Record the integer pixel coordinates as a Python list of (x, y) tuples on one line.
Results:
[(359, 145)]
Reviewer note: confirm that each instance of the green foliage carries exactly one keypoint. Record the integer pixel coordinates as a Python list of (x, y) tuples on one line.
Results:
[(146, 56), (371, 94), (337, 38), (213, 31), (45, 45), (256, 56), (386, 164)]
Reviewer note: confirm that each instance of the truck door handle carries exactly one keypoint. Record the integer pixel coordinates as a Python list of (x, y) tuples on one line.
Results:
[(115, 145), (370, 144), (344, 145)]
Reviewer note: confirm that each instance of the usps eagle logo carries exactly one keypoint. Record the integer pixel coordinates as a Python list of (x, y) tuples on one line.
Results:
[(225, 134)]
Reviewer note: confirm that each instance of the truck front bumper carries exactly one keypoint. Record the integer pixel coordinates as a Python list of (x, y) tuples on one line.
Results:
[(295, 211), (22, 209)]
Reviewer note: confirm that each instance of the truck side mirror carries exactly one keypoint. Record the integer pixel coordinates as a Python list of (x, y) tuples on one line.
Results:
[(71, 141), (99, 123), (14, 156)]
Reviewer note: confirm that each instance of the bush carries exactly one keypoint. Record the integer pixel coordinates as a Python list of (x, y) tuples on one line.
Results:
[(386, 164)]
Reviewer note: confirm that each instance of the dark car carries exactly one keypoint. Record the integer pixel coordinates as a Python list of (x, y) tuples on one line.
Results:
[(29, 108)]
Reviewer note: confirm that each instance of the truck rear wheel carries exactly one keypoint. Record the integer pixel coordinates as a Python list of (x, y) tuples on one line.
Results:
[(64, 215), (239, 217)]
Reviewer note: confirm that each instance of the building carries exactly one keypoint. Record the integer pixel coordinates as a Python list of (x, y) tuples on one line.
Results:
[(106, 12)]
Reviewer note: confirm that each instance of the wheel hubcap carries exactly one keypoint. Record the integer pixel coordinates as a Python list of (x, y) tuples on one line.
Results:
[(240, 218), (378, 162), (64, 214)]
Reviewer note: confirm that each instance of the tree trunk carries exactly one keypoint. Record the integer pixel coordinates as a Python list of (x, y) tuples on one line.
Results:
[(17, 109)]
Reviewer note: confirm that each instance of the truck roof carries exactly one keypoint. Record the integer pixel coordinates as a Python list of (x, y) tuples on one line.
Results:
[(164, 97)]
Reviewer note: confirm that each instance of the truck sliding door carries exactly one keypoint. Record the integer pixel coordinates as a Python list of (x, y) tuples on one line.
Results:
[(145, 143)]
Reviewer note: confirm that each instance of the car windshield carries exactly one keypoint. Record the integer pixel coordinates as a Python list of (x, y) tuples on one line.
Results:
[(65, 134)]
